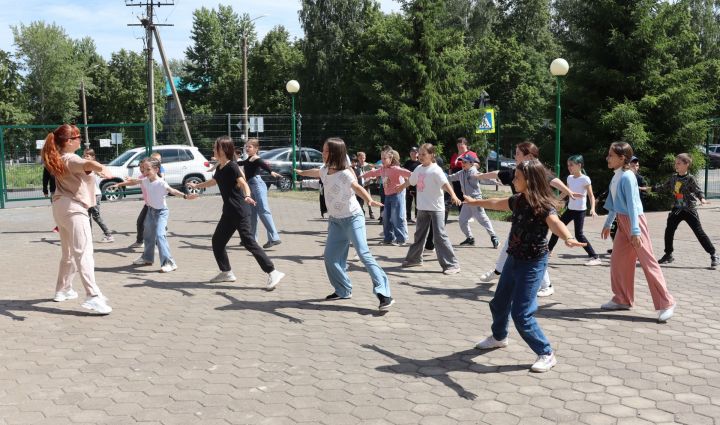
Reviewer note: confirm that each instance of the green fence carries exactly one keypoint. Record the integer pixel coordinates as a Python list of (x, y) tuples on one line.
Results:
[(21, 170), (709, 178)]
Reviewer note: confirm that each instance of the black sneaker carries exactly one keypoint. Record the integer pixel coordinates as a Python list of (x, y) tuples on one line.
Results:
[(714, 261), (385, 302), (372, 216), (380, 220), (334, 297), (495, 241), (609, 251), (666, 259), (271, 244), (468, 241)]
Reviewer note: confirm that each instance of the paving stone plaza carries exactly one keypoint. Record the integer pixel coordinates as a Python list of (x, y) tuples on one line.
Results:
[(179, 350)]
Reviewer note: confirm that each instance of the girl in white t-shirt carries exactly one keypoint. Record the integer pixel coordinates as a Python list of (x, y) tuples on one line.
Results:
[(431, 181), (155, 189), (346, 224), (578, 182)]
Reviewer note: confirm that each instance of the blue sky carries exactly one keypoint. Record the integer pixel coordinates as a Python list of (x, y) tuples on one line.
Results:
[(105, 21)]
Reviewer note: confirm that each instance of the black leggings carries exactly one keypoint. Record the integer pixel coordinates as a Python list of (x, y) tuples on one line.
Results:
[(578, 217), (228, 224), (94, 213), (693, 220), (140, 224)]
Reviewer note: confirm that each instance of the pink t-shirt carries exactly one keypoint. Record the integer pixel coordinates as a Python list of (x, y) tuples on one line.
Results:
[(392, 177), (76, 184)]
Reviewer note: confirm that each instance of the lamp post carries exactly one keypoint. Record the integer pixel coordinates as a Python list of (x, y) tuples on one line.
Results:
[(293, 87), (245, 81), (84, 107), (558, 68)]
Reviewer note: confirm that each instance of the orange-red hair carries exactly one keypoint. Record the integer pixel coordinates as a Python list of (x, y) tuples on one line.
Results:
[(54, 143)]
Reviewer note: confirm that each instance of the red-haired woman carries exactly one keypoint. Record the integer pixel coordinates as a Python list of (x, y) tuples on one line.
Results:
[(74, 195)]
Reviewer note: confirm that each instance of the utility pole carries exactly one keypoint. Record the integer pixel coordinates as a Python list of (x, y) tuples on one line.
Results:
[(84, 110), (150, 30)]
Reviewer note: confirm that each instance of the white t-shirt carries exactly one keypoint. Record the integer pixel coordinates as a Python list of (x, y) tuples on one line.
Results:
[(339, 195), (578, 185), (429, 182), (155, 192)]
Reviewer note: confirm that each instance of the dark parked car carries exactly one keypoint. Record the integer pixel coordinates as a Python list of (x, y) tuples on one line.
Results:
[(714, 156), (280, 160), (505, 162)]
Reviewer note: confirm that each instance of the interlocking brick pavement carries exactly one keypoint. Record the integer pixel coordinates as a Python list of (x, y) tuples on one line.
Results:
[(180, 350)]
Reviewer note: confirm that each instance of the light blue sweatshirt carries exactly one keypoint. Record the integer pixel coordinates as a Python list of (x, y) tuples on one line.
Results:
[(626, 201)]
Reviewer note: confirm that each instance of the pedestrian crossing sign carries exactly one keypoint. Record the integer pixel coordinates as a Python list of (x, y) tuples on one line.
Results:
[(487, 121)]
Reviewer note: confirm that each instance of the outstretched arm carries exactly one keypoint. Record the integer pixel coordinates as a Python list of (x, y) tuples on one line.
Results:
[(128, 182), (497, 204), (559, 228), (202, 185), (447, 187), (313, 173), (361, 192), (559, 185)]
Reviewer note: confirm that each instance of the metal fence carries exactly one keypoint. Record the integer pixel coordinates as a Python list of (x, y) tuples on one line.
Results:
[(21, 170)]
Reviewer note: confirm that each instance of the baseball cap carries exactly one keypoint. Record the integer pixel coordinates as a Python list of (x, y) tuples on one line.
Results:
[(469, 158), (414, 149), (634, 159)]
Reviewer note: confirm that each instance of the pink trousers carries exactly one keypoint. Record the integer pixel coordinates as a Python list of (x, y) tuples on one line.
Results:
[(76, 245), (622, 266)]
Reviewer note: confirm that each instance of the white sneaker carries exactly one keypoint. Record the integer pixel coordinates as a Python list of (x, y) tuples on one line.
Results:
[(61, 296), (107, 239), (98, 305), (490, 343), (544, 363), (141, 262), (594, 262), (489, 276), (451, 270), (428, 251), (665, 315), (546, 292), (612, 305), (137, 245), (168, 267), (228, 276), (274, 277)]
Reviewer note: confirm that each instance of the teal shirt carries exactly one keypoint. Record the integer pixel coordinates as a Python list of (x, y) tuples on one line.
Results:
[(626, 201)]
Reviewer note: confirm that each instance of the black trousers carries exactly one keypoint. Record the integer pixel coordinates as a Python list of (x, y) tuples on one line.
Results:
[(410, 194), (457, 188), (94, 213), (692, 218), (578, 217), (228, 224), (140, 224)]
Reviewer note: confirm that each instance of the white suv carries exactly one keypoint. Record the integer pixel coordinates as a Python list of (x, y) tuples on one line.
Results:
[(182, 165)]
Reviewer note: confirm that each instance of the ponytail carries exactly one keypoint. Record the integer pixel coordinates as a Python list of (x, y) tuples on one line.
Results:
[(54, 143)]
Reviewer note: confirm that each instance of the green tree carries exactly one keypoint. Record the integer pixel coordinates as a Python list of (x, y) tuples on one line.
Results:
[(53, 70), (271, 64), (13, 106), (215, 68), (636, 75)]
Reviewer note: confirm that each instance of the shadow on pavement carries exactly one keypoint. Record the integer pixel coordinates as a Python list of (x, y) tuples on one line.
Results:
[(8, 306), (471, 294), (439, 367), (577, 314)]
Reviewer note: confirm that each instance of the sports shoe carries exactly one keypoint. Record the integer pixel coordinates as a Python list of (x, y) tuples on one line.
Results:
[(227, 276), (403, 243), (428, 251), (271, 244), (546, 292), (97, 305), (489, 276), (468, 241), (385, 302), (140, 261), (388, 243), (408, 264), (411, 221), (490, 343), (451, 270), (61, 296), (334, 297), (55, 229), (107, 239), (714, 261), (609, 251), (372, 216), (168, 267), (274, 277), (612, 305), (137, 245), (666, 259), (495, 241), (665, 315), (544, 363), (594, 262)]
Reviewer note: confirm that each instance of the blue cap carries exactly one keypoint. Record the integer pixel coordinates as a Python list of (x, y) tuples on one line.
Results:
[(469, 158)]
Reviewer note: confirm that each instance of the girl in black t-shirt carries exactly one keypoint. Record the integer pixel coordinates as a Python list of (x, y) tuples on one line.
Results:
[(235, 194), (533, 213)]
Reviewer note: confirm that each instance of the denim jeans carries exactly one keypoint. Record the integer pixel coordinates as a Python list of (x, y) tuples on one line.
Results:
[(394, 221), (516, 296), (155, 223), (261, 210), (342, 232)]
